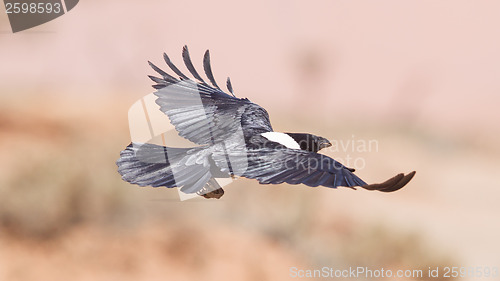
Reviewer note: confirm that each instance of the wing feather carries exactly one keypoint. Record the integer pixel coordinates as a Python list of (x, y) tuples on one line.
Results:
[(201, 113), (189, 64), (283, 165), (229, 86), (173, 67), (208, 69)]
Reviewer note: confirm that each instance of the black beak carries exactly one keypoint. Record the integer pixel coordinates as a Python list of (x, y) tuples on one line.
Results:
[(324, 144)]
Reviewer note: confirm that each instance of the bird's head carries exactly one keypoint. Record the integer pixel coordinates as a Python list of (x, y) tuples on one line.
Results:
[(322, 142), (310, 142)]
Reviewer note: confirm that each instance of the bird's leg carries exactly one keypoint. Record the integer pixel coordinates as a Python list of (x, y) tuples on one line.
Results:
[(211, 190), (214, 194)]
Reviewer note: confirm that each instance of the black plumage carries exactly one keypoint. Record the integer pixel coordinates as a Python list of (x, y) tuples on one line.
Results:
[(235, 139)]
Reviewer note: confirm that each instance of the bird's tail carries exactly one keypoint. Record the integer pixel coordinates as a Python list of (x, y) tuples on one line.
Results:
[(155, 165)]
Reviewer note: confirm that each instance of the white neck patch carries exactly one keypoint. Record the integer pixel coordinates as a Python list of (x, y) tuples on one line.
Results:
[(282, 139)]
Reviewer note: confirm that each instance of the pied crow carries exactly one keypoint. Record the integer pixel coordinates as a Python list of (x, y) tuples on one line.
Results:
[(233, 137)]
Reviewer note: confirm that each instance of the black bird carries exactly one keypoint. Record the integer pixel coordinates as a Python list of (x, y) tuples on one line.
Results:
[(234, 138)]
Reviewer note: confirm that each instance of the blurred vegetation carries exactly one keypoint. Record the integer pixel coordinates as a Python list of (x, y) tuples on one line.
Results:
[(57, 172), (59, 175)]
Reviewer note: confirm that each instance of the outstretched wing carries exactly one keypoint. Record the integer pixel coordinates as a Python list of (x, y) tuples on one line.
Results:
[(203, 113), (292, 166)]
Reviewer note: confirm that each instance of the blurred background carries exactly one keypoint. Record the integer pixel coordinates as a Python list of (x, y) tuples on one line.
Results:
[(420, 78)]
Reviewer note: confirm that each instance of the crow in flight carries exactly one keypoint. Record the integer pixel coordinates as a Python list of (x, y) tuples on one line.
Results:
[(234, 138)]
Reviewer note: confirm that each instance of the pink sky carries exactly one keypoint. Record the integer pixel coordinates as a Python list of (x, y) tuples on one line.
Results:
[(436, 61)]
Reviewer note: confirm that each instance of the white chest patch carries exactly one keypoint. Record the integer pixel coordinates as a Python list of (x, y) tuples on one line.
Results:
[(281, 138)]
